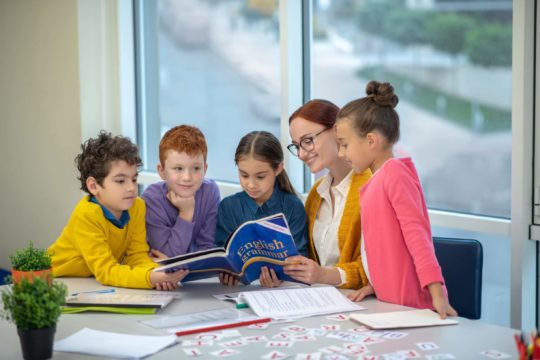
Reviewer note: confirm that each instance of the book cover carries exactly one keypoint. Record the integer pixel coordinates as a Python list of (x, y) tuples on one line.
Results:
[(263, 242)]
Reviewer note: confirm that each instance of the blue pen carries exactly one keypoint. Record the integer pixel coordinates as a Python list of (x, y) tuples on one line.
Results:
[(103, 291)]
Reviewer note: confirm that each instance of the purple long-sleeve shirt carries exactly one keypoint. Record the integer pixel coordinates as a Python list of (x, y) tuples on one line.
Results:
[(172, 235)]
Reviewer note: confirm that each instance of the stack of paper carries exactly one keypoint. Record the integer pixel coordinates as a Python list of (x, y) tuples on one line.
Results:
[(204, 321), (402, 319), (297, 303)]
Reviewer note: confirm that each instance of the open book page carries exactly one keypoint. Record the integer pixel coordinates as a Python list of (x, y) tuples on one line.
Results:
[(120, 300), (200, 320), (263, 242), (297, 303), (402, 319)]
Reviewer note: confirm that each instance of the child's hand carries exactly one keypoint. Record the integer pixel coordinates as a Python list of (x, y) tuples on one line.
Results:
[(303, 269), (268, 278), (362, 293), (157, 255), (185, 205), (440, 301), (167, 281), (228, 279)]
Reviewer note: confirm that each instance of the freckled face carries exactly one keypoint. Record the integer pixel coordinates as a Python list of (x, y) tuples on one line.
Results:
[(183, 173)]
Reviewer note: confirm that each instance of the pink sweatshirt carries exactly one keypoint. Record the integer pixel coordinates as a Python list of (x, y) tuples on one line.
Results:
[(397, 234)]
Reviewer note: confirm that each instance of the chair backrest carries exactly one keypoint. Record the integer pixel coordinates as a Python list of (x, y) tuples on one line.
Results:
[(461, 261)]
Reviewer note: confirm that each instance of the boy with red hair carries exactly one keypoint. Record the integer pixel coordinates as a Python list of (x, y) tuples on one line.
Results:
[(181, 211)]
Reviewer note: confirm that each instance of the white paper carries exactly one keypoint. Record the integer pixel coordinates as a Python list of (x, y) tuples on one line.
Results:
[(297, 303), (116, 345), (402, 319), (199, 320), (234, 295)]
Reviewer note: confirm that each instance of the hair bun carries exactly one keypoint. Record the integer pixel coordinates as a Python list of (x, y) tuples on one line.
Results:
[(382, 93)]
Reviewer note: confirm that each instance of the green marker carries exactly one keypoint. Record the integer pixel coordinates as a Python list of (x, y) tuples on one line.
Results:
[(242, 306)]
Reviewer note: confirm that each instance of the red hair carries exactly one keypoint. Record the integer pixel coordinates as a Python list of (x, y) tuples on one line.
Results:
[(183, 138), (319, 111)]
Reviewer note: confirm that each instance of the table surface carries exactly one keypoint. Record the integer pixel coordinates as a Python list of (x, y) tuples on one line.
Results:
[(467, 340)]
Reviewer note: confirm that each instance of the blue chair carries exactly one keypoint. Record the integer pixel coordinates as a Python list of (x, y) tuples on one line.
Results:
[(461, 262), (3, 274)]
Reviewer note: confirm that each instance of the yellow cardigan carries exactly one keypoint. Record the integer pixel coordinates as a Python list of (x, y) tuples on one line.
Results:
[(91, 245), (349, 232)]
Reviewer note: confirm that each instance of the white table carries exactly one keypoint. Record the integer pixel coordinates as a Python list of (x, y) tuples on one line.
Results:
[(464, 341)]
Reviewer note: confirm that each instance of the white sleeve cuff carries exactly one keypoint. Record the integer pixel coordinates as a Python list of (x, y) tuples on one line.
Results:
[(342, 275)]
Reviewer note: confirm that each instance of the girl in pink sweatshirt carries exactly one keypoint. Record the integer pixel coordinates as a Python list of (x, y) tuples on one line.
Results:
[(397, 247)]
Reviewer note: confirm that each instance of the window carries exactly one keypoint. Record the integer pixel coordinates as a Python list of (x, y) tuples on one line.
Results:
[(450, 64), (215, 67)]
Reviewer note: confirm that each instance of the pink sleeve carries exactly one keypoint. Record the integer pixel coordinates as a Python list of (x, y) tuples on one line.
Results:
[(405, 195)]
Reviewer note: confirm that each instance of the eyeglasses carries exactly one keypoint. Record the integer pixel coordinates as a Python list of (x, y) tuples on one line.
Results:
[(307, 143)]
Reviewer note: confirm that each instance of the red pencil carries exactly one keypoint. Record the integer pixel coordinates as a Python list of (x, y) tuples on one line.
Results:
[(223, 326)]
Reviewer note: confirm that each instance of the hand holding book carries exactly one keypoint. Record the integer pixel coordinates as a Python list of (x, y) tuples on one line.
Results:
[(263, 242)]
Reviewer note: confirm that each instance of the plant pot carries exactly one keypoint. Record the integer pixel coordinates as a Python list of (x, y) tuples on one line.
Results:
[(37, 344), (45, 275)]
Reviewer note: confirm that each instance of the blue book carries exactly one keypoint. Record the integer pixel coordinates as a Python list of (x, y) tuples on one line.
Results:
[(263, 242)]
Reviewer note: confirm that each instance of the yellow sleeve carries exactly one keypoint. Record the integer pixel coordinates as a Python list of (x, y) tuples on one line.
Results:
[(350, 234), (93, 241), (355, 275), (137, 247)]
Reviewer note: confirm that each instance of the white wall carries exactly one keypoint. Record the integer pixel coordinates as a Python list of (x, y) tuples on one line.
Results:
[(40, 127)]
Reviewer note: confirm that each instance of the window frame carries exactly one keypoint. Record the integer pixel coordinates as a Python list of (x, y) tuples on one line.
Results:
[(296, 89)]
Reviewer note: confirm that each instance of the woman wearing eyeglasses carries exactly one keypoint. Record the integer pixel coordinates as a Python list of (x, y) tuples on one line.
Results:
[(332, 206)]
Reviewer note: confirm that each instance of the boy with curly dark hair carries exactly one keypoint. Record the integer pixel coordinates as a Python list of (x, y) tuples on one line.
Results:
[(106, 235)]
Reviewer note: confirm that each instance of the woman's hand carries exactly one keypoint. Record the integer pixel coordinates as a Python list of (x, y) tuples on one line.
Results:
[(269, 278), (227, 279), (362, 293), (302, 269), (440, 301), (308, 271)]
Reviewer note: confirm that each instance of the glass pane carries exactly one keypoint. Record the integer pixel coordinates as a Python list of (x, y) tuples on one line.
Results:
[(450, 64), (219, 71)]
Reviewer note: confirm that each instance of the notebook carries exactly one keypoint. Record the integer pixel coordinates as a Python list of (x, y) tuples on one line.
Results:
[(121, 300), (402, 319)]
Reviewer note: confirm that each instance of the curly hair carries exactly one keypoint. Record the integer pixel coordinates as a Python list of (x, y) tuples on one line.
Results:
[(183, 138), (97, 155)]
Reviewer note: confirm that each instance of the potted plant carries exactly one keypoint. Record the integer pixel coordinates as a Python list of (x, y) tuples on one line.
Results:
[(34, 307), (31, 262)]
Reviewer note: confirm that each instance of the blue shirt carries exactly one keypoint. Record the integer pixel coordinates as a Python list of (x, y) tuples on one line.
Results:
[(119, 223), (236, 209)]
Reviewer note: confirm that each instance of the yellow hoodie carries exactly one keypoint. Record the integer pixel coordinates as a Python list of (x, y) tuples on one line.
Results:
[(91, 245)]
